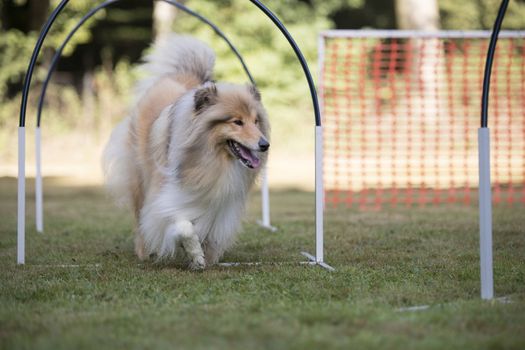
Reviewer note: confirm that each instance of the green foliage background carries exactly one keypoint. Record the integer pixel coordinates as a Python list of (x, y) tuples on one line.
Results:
[(16, 47), (268, 55)]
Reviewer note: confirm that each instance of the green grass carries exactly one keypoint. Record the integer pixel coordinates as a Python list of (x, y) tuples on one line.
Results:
[(385, 261)]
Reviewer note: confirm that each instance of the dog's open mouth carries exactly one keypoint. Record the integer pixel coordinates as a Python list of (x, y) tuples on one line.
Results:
[(245, 155)]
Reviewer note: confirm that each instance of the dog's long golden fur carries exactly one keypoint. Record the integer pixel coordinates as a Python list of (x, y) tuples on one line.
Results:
[(187, 155)]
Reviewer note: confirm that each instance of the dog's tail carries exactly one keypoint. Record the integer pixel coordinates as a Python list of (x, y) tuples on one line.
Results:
[(120, 172), (177, 54)]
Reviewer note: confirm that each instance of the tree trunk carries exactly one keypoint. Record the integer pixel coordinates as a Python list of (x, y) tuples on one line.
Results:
[(427, 63), (38, 12), (417, 14), (163, 17)]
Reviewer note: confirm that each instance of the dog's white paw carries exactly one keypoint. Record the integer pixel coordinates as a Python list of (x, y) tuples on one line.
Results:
[(198, 263)]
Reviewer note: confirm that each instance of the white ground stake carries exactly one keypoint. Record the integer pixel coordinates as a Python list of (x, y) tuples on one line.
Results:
[(485, 215), (319, 187), (319, 195), (319, 203), (265, 198), (39, 208), (21, 196)]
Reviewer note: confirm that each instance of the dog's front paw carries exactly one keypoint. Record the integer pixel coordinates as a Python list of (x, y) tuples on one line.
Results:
[(198, 263)]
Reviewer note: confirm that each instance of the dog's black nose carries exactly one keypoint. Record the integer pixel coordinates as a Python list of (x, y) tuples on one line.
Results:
[(263, 145)]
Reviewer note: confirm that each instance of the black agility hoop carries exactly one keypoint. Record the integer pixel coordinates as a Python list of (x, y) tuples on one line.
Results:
[(63, 3), (317, 259), (484, 187), (488, 63)]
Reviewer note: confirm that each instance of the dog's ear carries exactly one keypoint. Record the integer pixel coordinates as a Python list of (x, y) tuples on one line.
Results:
[(255, 92), (205, 97)]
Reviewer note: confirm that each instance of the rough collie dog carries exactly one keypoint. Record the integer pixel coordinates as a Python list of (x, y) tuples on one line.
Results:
[(186, 156)]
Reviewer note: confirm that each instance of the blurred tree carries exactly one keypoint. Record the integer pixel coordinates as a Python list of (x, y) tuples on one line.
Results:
[(121, 32), (26, 15), (417, 14), (21, 20), (163, 17), (358, 14), (426, 55)]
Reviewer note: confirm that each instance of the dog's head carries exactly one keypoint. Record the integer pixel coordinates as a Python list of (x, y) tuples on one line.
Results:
[(236, 121)]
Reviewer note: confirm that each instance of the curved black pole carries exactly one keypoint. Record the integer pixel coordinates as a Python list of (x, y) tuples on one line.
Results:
[(105, 4), (488, 63), (275, 20), (32, 62), (299, 55)]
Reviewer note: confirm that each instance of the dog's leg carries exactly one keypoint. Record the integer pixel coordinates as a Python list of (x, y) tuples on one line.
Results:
[(183, 232), (211, 252), (139, 245), (223, 232)]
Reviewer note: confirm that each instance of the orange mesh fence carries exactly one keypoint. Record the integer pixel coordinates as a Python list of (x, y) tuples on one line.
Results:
[(401, 112)]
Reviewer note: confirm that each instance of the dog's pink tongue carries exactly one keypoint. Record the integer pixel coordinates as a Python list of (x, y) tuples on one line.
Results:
[(249, 155), (255, 161)]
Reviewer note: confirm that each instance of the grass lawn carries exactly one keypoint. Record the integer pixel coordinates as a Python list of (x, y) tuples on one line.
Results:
[(83, 288)]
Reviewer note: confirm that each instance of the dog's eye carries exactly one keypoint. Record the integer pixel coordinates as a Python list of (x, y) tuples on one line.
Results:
[(238, 122), (256, 121)]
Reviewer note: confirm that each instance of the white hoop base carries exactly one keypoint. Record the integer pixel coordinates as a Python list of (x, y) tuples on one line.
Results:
[(315, 261), (39, 201), (266, 226), (21, 234), (485, 215), (265, 203)]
